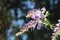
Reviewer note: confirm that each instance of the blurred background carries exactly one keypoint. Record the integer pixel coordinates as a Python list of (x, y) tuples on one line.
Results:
[(12, 18)]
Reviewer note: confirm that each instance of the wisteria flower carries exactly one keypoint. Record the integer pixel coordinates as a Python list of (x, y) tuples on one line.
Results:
[(39, 25), (58, 24), (56, 30), (43, 10), (57, 27), (30, 24), (59, 20), (36, 14)]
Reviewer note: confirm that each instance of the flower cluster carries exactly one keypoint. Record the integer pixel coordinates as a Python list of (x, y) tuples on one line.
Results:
[(56, 31), (37, 15)]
